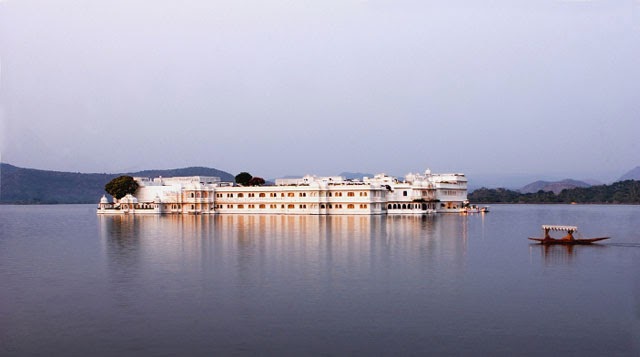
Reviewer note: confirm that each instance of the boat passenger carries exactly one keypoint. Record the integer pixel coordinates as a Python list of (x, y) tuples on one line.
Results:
[(569, 235)]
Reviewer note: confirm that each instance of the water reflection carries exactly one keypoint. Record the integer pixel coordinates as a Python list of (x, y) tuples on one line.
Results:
[(254, 240), (561, 253)]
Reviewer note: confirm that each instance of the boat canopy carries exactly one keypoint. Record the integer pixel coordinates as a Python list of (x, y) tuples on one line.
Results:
[(560, 228)]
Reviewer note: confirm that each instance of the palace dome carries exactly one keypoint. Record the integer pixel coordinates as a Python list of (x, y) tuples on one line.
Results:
[(128, 199)]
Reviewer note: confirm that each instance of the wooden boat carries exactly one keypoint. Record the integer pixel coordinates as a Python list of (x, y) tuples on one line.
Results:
[(474, 209), (568, 239)]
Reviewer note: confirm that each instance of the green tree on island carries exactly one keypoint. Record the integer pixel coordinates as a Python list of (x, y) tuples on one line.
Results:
[(121, 186), (243, 178)]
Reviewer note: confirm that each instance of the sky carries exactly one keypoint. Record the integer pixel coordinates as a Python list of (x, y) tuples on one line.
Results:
[(494, 89)]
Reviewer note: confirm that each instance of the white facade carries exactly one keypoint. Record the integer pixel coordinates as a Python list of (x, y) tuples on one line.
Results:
[(416, 194)]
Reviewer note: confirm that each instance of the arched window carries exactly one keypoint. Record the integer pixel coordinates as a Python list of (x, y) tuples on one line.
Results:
[(404, 206)]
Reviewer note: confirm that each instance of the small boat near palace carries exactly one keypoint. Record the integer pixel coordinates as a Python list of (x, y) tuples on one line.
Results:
[(474, 209), (567, 239)]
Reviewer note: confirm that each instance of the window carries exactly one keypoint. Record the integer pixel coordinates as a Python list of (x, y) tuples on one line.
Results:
[(262, 206), (251, 194), (350, 206), (240, 206), (262, 194), (351, 194), (290, 206), (240, 194), (404, 193), (291, 194)]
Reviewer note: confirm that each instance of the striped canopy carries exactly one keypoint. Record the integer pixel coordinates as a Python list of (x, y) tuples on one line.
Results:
[(560, 228)]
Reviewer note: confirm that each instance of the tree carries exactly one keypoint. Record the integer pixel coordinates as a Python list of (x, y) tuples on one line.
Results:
[(243, 178), (256, 181), (121, 186)]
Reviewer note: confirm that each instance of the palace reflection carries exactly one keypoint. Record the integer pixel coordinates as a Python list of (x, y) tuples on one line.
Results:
[(254, 245)]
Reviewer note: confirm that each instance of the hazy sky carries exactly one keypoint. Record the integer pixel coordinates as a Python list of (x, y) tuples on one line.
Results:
[(540, 87)]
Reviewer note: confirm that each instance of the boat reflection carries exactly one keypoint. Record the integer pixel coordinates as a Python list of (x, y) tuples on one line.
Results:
[(561, 253)]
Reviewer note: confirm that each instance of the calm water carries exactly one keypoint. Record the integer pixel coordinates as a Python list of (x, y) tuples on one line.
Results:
[(77, 284)]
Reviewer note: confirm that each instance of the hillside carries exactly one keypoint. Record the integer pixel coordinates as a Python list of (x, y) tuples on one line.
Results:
[(555, 186), (32, 186), (633, 174), (627, 192)]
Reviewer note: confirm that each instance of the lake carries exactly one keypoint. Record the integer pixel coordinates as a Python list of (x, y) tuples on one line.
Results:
[(74, 283)]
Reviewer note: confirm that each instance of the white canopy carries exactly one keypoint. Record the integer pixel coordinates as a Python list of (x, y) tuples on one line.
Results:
[(560, 228)]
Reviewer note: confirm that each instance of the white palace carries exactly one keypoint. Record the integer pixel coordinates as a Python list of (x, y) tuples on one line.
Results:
[(310, 195)]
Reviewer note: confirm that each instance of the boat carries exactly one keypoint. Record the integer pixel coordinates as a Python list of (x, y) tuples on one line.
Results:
[(568, 239), (474, 209)]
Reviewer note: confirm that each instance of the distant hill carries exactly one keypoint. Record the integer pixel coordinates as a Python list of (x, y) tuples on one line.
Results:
[(354, 175), (32, 186), (626, 192), (634, 174), (555, 186)]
